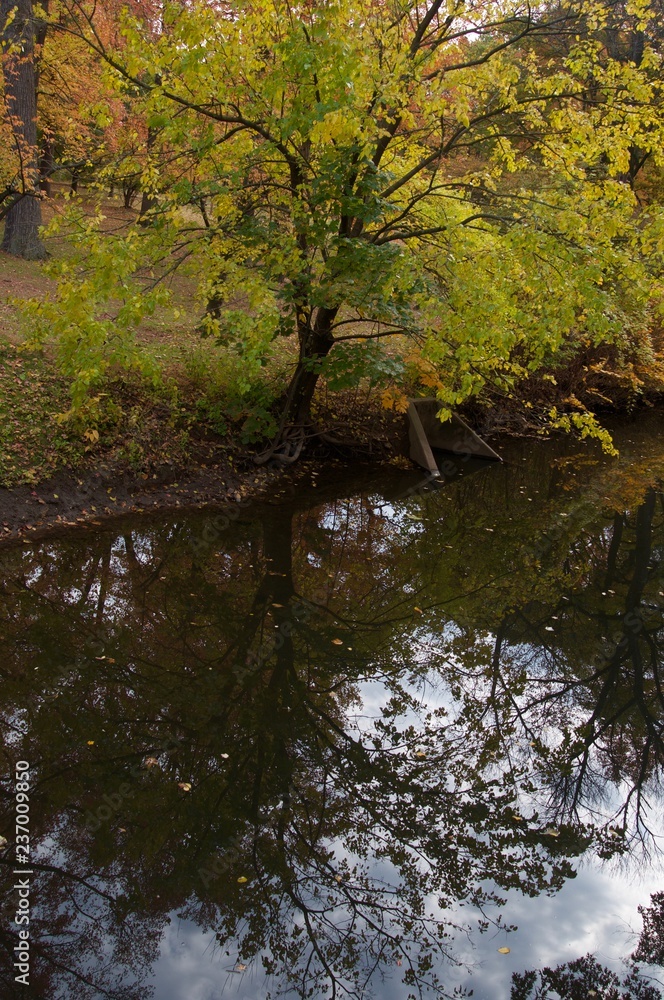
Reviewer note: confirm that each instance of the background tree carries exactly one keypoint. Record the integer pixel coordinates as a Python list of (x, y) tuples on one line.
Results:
[(23, 207)]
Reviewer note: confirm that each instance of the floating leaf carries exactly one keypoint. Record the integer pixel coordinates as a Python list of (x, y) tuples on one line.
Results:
[(91, 743), (504, 951), (3, 842), (419, 611), (338, 642), (240, 967), (184, 785), (242, 879), (551, 832), (150, 762)]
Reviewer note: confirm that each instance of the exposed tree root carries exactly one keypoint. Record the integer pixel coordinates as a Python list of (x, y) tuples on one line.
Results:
[(287, 447)]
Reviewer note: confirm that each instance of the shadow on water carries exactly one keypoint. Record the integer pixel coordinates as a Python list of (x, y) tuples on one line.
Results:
[(328, 738)]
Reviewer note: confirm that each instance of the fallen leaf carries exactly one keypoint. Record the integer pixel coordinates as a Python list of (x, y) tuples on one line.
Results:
[(240, 967), (3, 842), (150, 762), (552, 833), (242, 879), (337, 642), (91, 743), (503, 951), (184, 785), (419, 611)]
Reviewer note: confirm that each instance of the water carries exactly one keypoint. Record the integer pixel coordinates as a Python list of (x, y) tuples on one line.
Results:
[(349, 742)]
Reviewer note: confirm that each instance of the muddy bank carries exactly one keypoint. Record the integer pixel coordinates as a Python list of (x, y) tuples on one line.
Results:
[(89, 496)]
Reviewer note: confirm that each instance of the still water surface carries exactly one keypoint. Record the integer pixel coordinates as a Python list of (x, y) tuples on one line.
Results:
[(350, 742)]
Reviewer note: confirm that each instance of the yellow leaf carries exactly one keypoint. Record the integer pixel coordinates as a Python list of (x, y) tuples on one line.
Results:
[(242, 879), (184, 785), (503, 951)]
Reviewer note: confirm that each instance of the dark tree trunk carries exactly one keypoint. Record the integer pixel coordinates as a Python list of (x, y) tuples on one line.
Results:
[(315, 344), (316, 341), (23, 220), (148, 200), (129, 192), (46, 168)]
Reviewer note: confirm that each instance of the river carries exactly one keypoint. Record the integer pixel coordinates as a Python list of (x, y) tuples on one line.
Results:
[(376, 736)]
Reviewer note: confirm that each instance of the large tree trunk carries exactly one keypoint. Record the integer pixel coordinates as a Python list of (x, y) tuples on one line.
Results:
[(23, 220), (316, 340)]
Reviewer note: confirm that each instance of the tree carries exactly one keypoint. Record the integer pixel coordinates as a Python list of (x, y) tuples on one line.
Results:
[(23, 211), (427, 177), (582, 978)]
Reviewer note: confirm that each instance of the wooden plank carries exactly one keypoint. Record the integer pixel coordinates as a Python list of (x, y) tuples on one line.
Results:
[(420, 449), (426, 432)]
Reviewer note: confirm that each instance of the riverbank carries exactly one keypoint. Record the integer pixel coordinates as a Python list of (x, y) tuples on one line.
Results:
[(182, 429)]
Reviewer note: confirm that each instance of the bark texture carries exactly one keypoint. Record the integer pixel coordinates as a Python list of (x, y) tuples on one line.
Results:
[(21, 237)]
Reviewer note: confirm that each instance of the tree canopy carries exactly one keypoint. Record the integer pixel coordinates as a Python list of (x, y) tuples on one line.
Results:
[(447, 193)]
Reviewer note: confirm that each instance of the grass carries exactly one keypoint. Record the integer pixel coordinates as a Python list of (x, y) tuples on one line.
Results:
[(203, 394), (32, 443)]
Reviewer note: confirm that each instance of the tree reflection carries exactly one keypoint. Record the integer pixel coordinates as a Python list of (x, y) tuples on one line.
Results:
[(321, 736), (579, 980)]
